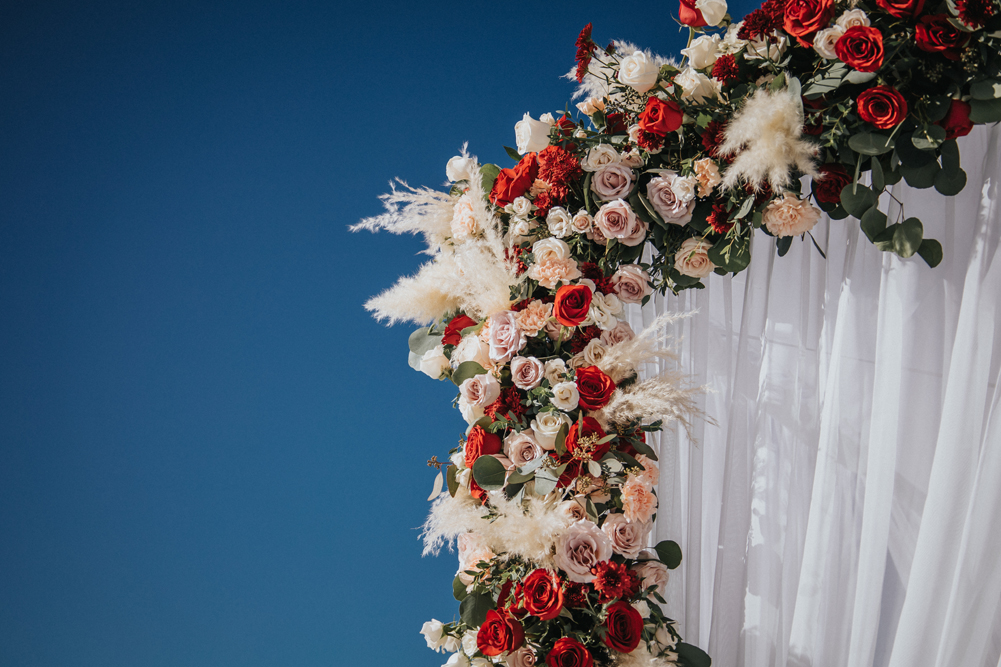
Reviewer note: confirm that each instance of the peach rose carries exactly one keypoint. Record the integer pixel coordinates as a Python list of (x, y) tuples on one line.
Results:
[(627, 537), (505, 336), (631, 283), (790, 216), (463, 221), (692, 258), (638, 502), (526, 373), (533, 318), (617, 220), (581, 222)]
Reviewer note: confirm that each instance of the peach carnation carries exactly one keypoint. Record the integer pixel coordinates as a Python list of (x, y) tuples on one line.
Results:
[(707, 172), (549, 273), (638, 502), (463, 221), (790, 216), (650, 473), (533, 318)]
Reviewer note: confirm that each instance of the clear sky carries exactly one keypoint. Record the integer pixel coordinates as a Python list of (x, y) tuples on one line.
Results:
[(209, 454)]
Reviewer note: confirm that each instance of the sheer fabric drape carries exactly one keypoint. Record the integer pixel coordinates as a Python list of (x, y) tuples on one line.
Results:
[(845, 509)]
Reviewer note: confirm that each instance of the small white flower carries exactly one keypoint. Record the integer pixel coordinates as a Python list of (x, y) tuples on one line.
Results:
[(531, 135), (433, 632), (548, 250), (460, 168), (731, 43), (582, 222), (558, 221), (469, 642), (590, 105), (522, 206), (457, 660), (684, 188), (521, 228), (639, 71), (565, 396), (451, 644), (546, 426)]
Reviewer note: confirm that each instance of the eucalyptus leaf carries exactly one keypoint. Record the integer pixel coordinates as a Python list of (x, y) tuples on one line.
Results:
[(931, 252), (645, 449), (423, 340), (985, 111), (473, 609), (519, 477), (859, 77), (920, 177), (873, 222), (907, 237), (594, 468), (909, 155), (950, 185), (690, 655), (988, 89), (783, 244), (488, 472), (591, 510), (466, 370), (876, 170), (545, 482), (459, 589), (731, 254), (561, 439), (859, 201), (936, 107), (669, 553), (928, 137), (587, 192), (513, 154), (871, 143), (950, 157), (488, 174), (439, 482), (453, 483)]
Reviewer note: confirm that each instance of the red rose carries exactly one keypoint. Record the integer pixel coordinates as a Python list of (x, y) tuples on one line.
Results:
[(861, 48), (571, 304), (595, 388), (832, 180), (935, 34), (499, 633), (883, 106), (477, 491), (615, 123), (568, 652), (805, 17), (902, 9), (479, 443), (625, 627), (513, 183), (661, 117), (689, 15), (957, 122), (542, 594), (453, 332)]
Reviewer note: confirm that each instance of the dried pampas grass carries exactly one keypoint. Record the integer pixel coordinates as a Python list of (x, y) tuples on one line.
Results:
[(602, 69), (766, 137), (641, 657), (527, 528)]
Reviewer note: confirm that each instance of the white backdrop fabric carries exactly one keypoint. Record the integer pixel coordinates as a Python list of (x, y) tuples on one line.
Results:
[(845, 510)]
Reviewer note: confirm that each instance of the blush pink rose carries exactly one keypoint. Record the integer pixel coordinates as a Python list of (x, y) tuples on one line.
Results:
[(790, 216), (505, 336), (652, 573), (613, 181), (620, 333), (631, 283), (660, 192), (522, 448), (616, 220), (526, 373), (628, 537), (692, 259), (581, 548), (480, 390)]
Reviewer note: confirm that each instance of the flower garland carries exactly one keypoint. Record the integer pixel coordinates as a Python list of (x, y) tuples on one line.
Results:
[(551, 492)]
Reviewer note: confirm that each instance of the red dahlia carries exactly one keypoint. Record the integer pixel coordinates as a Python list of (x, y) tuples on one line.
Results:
[(976, 13), (585, 49), (761, 22), (508, 405), (614, 580), (593, 272), (719, 219), (575, 594), (649, 141), (725, 68), (712, 137), (559, 168)]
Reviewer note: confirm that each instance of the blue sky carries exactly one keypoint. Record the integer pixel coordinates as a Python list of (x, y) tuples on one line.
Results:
[(209, 454)]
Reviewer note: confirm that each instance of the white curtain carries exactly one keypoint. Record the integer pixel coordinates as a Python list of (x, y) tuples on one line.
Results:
[(845, 509)]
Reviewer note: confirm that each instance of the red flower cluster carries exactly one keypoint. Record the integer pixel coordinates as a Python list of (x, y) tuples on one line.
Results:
[(585, 50), (593, 272), (650, 141), (508, 405), (712, 137), (559, 168), (614, 580), (725, 68), (575, 434), (762, 21), (719, 219), (976, 13), (514, 255), (575, 594), (583, 336)]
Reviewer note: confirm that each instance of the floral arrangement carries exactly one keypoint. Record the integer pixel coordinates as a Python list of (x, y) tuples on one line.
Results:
[(660, 180)]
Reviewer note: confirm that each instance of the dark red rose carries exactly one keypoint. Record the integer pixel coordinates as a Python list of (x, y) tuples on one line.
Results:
[(661, 117), (625, 627), (568, 652), (957, 122), (805, 17), (542, 594), (513, 183), (453, 332), (509, 600), (479, 442), (499, 633), (571, 304), (861, 48), (902, 9), (615, 123), (883, 106), (935, 34), (689, 15), (828, 186), (595, 388)]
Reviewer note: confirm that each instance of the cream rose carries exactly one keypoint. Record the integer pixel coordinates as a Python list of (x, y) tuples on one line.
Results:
[(684, 188), (505, 336), (555, 370), (852, 18), (824, 41), (639, 71), (550, 249), (600, 156), (558, 222), (546, 426), (790, 216), (522, 207), (620, 333), (457, 660), (617, 220), (433, 632), (526, 373), (604, 308), (472, 348), (696, 86), (434, 363), (521, 229), (612, 182), (480, 390), (581, 222), (771, 48), (460, 168), (590, 355), (632, 159), (531, 135), (579, 549), (627, 537), (573, 509), (703, 51), (566, 396), (522, 448), (713, 11), (590, 105), (660, 192), (731, 43), (631, 283), (471, 413), (692, 258)]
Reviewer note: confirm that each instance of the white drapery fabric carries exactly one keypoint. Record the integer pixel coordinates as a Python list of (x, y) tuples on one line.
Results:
[(845, 510)]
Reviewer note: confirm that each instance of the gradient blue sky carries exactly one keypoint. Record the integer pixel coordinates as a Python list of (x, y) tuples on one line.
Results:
[(209, 454)]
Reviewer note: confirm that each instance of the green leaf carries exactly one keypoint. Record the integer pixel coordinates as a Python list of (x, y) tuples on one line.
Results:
[(459, 589), (859, 77), (545, 482), (950, 157), (826, 81), (985, 111), (594, 468), (878, 181), (920, 177), (473, 610), (561, 439), (928, 137), (488, 174), (871, 143), (587, 192), (783, 244), (873, 222), (745, 208), (909, 155), (488, 472), (950, 185), (466, 370), (512, 153), (520, 477), (731, 254), (423, 340), (690, 655), (859, 201), (453, 483), (644, 449), (937, 107), (669, 553), (907, 237), (931, 252), (700, 215), (988, 89)]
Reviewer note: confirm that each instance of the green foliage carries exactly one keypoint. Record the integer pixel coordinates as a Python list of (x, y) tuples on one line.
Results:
[(489, 473), (474, 607), (669, 554), (690, 655), (466, 370)]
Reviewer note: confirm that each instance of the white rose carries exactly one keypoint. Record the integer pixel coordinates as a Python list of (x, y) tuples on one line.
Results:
[(432, 631), (546, 426), (642, 608), (460, 168), (824, 41), (480, 390), (548, 250), (434, 362), (602, 312), (600, 156), (852, 18), (581, 222), (684, 188), (762, 48), (522, 206), (471, 348), (471, 413), (532, 135), (590, 355), (696, 86), (639, 71), (481, 662), (558, 221), (554, 371), (713, 11), (703, 51), (581, 548), (457, 660), (521, 228), (632, 159), (469, 642), (692, 258), (590, 105), (451, 644), (731, 43), (565, 396), (665, 638)]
